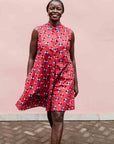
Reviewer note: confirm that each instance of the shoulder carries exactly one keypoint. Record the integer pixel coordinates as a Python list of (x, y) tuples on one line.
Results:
[(36, 29), (66, 28), (71, 32), (34, 34)]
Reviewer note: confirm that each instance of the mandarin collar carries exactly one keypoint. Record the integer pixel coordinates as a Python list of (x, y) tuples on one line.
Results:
[(50, 25)]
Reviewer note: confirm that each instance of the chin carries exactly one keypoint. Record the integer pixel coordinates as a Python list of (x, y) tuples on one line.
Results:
[(54, 19)]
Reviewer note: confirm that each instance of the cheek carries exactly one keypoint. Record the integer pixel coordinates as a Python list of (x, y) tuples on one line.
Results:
[(49, 11), (60, 12), (49, 14)]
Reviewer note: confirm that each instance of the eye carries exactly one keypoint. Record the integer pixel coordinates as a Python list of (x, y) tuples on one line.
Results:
[(59, 8), (51, 8)]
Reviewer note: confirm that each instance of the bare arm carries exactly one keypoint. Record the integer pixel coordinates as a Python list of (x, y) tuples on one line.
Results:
[(73, 59), (32, 49)]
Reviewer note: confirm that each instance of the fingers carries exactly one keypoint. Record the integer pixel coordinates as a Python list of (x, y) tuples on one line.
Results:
[(75, 94)]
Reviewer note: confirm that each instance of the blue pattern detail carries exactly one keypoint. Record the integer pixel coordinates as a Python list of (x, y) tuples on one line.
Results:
[(22, 102), (48, 36), (46, 61), (32, 78), (65, 100), (68, 60), (67, 91), (59, 37), (57, 98), (61, 52), (53, 73), (46, 52), (70, 101), (61, 69), (65, 30), (31, 87), (36, 105), (45, 70), (47, 43), (69, 74), (38, 79), (45, 86), (49, 28), (35, 60), (45, 93), (57, 30), (37, 99), (55, 107), (55, 50), (60, 82), (45, 78), (29, 107), (60, 44), (52, 84), (68, 43), (41, 27), (54, 61), (38, 94), (68, 83), (34, 69), (30, 95), (59, 90), (60, 60), (61, 74)]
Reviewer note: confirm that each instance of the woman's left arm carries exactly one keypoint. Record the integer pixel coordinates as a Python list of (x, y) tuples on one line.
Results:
[(74, 62)]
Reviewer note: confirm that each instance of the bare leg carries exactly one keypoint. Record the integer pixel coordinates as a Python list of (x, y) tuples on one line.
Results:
[(57, 128), (49, 118)]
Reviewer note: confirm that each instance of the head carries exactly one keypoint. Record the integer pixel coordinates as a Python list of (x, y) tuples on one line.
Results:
[(55, 9)]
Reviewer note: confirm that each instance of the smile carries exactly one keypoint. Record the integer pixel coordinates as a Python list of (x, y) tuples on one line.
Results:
[(54, 15)]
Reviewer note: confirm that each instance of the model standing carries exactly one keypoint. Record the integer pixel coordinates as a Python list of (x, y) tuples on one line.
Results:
[(51, 80)]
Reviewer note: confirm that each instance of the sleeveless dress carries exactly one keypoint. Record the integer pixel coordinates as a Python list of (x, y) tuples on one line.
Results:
[(50, 83)]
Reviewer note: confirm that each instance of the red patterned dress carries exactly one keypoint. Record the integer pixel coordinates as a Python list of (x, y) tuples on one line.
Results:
[(50, 83)]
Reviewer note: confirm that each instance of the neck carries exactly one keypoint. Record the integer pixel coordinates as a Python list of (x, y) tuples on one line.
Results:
[(54, 23)]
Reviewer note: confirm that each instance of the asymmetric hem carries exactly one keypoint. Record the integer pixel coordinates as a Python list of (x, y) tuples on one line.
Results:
[(50, 83)]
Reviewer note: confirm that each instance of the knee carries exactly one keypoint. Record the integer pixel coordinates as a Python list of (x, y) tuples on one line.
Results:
[(57, 116)]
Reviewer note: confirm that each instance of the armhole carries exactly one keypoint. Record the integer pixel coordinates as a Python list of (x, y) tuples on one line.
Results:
[(38, 32), (70, 34), (37, 29), (37, 37)]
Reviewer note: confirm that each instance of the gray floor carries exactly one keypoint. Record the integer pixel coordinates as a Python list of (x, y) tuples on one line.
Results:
[(39, 132)]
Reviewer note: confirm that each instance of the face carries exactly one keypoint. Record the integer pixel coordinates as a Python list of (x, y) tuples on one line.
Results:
[(55, 10)]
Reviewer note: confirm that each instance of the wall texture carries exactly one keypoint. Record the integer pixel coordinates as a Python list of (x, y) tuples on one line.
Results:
[(93, 24)]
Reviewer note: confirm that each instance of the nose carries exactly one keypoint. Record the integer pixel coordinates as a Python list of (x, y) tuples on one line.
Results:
[(55, 10)]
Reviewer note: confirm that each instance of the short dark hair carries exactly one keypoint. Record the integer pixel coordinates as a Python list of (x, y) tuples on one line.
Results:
[(58, 1)]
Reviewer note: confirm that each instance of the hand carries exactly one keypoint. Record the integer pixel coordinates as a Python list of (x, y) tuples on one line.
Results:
[(76, 91)]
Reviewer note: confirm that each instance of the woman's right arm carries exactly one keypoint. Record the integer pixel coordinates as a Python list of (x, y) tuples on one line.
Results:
[(32, 49)]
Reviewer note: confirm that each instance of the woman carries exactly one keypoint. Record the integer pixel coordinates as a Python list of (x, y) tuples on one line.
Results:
[(51, 72)]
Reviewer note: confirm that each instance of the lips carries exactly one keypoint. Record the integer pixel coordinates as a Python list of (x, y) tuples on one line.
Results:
[(54, 15)]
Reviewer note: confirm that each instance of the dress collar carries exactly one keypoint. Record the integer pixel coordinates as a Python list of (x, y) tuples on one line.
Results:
[(58, 26)]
